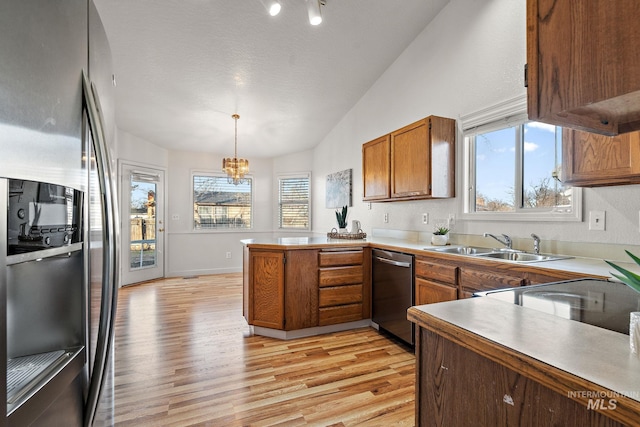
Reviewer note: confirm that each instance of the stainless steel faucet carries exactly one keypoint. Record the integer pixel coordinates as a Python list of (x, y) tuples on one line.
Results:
[(536, 243), (506, 240)]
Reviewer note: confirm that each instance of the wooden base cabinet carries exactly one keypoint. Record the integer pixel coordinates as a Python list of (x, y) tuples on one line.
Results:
[(343, 281), (459, 387), (282, 289), (435, 281)]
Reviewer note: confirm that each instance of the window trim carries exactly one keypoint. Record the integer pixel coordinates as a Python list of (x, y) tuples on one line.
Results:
[(195, 173), (292, 175), (505, 114)]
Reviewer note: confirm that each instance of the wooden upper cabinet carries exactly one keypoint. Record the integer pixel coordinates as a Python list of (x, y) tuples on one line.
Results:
[(590, 160), (376, 169), (583, 64), (419, 162)]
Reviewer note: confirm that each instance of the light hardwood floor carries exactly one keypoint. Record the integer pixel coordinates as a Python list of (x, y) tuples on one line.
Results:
[(184, 356)]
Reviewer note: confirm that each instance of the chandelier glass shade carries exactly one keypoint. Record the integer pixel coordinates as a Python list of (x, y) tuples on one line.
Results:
[(235, 168)]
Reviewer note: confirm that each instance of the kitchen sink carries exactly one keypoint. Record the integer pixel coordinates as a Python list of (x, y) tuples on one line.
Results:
[(502, 254), (522, 256), (463, 250)]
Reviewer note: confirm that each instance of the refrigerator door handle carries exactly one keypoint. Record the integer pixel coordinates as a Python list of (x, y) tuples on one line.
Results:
[(110, 249)]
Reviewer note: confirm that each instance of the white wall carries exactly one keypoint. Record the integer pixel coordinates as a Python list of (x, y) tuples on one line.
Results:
[(469, 58)]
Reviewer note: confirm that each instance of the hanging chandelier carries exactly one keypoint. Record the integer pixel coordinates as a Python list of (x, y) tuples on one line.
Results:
[(235, 168)]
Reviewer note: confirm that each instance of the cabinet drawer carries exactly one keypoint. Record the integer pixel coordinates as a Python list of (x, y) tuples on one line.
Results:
[(479, 280), (440, 272), (339, 295), (340, 314), (336, 276), (333, 259)]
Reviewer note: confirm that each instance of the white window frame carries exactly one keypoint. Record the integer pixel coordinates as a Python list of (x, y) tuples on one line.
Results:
[(509, 113), (296, 175), (195, 173)]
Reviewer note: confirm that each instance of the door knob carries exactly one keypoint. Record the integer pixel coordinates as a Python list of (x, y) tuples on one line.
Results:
[(160, 230)]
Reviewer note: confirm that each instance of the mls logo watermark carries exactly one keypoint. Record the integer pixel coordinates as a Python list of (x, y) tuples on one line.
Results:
[(601, 400), (602, 404)]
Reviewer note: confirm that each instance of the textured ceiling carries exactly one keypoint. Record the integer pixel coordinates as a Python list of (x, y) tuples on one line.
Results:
[(183, 67)]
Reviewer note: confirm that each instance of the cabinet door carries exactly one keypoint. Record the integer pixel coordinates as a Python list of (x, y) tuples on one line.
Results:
[(428, 292), (266, 296), (583, 64), (593, 160), (411, 161), (376, 169), (301, 289)]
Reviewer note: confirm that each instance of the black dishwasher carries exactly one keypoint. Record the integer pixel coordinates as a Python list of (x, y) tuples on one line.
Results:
[(393, 293)]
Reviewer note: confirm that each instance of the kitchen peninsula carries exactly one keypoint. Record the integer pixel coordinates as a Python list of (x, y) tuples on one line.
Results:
[(515, 366), (301, 286)]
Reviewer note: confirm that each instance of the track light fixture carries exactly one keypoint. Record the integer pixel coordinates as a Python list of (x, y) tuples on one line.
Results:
[(313, 8), (272, 6)]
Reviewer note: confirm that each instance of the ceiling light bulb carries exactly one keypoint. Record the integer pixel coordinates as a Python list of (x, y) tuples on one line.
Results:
[(272, 6), (313, 7)]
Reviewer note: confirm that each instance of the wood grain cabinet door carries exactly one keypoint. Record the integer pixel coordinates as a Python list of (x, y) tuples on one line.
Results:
[(591, 160), (411, 161), (376, 169), (428, 292), (583, 64), (266, 289)]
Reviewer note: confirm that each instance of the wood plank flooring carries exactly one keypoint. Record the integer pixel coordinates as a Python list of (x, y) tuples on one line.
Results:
[(184, 356)]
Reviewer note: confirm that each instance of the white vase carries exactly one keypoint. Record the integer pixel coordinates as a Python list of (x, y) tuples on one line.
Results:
[(634, 332), (439, 239)]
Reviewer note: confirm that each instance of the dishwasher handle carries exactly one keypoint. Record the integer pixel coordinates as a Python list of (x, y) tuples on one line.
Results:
[(392, 262)]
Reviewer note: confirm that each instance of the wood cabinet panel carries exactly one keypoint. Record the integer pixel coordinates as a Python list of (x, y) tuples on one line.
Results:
[(340, 314), (411, 161), (376, 169), (436, 271), (338, 295), (301, 289), (591, 160), (333, 276), (472, 280), (339, 258), (267, 289), (583, 66), (459, 387), (428, 292)]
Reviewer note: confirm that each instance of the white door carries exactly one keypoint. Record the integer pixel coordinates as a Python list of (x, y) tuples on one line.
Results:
[(142, 252)]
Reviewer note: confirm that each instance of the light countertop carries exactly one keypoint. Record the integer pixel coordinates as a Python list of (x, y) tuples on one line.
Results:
[(595, 359), (589, 266)]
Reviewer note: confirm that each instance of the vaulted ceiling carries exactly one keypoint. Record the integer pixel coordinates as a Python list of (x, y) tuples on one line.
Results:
[(183, 67)]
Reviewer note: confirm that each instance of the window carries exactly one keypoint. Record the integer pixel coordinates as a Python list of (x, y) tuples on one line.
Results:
[(514, 171), (218, 204), (294, 210)]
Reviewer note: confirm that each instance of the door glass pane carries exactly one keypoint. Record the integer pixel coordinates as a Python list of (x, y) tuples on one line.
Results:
[(142, 217)]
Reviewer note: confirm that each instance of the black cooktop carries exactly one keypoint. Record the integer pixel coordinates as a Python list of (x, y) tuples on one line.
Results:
[(596, 302)]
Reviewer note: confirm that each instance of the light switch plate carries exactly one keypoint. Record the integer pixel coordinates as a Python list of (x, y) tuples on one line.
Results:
[(597, 220)]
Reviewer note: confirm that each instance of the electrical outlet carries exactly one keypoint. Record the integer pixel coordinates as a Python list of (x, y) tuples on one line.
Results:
[(597, 220), (386, 217), (228, 255), (175, 217), (369, 205), (595, 301), (425, 218)]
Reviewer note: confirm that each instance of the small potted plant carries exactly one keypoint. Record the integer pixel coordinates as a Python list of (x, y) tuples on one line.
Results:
[(341, 216), (440, 236)]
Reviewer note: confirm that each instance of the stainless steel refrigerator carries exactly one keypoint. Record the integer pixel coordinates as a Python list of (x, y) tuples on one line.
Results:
[(58, 215)]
